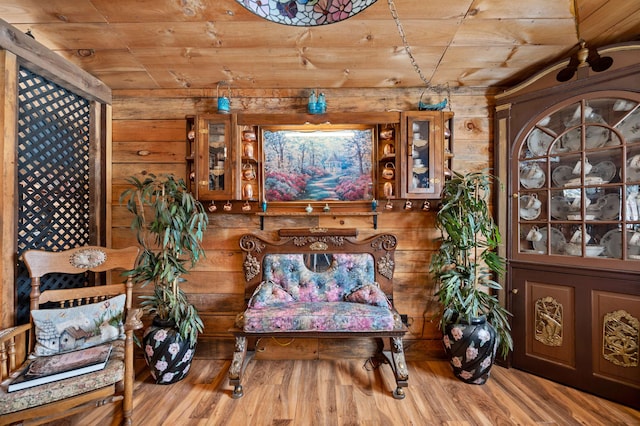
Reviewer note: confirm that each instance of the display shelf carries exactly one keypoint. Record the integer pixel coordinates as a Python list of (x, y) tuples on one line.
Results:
[(578, 181), (262, 215)]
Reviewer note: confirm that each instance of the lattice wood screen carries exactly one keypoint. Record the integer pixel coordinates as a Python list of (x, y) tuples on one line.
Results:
[(54, 188)]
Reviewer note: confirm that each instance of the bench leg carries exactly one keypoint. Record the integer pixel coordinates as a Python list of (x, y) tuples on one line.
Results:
[(395, 358), (238, 365)]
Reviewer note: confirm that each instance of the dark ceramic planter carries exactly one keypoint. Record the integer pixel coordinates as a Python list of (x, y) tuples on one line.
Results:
[(167, 355), (471, 349)]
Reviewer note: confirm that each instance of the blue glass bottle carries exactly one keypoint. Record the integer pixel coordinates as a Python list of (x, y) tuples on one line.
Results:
[(322, 104), (311, 107)]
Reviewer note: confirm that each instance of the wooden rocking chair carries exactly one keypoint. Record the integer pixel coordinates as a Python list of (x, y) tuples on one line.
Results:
[(47, 402)]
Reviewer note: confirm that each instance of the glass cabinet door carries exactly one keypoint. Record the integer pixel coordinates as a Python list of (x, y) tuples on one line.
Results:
[(422, 172), (578, 175), (214, 163)]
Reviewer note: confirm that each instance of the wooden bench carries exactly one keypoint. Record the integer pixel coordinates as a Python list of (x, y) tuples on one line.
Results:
[(319, 283)]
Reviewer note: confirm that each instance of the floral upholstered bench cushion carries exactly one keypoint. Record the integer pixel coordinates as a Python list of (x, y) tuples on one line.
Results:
[(320, 316), (344, 297)]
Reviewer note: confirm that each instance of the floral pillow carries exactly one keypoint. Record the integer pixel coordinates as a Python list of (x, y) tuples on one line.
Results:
[(269, 293), (369, 294), (68, 329)]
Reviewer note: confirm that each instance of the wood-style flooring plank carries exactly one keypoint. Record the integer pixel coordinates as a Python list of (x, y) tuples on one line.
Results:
[(352, 393)]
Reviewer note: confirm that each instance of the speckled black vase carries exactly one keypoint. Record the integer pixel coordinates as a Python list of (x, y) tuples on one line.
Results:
[(167, 355), (471, 349)]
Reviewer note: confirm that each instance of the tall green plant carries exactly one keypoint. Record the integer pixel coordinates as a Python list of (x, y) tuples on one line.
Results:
[(466, 265), (169, 224)]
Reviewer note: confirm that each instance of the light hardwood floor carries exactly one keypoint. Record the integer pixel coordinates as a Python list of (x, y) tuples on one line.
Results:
[(323, 392)]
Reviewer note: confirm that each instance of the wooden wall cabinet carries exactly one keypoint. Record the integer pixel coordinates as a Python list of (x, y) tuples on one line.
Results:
[(570, 157), (426, 154), (411, 155), (388, 173), (249, 169), (215, 160)]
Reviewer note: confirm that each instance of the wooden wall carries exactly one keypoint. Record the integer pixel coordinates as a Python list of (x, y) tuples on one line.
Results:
[(154, 121)]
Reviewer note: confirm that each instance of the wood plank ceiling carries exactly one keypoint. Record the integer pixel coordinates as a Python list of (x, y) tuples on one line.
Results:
[(170, 44)]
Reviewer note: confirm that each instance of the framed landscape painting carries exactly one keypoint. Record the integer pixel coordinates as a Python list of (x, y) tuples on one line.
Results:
[(318, 163)]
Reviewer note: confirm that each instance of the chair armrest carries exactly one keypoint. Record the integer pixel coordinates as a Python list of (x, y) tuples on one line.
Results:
[(11, 332), (133, 321), (13, 348)]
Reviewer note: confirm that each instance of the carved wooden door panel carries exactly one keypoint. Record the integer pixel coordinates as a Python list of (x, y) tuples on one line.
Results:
[(579, 329)]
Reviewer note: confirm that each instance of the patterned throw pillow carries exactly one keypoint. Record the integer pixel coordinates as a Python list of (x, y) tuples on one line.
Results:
[(267, 294), (68, 329), (369, 294)]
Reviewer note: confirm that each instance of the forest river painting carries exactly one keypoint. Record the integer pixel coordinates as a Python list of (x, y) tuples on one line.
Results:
[(331, 164)]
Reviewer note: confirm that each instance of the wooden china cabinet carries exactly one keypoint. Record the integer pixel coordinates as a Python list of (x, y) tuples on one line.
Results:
[(569, 155)]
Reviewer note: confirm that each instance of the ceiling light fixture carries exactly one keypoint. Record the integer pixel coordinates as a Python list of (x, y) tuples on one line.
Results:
[(305, 13)]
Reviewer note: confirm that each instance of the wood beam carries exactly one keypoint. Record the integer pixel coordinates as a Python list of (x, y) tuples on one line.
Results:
[(52, 66)]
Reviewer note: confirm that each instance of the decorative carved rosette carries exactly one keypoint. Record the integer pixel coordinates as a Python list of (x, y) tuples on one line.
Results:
[(88, 258), (334, 240), (302, 241), (318, 230), (319, 246), (386, 266), (251, 267)]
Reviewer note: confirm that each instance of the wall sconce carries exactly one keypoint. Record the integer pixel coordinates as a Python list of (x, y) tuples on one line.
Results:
[(583, 57)]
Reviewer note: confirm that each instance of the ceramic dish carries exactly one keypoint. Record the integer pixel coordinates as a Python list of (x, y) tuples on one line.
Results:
[(578, 216), (561, 175), (531, 251), (623, 105), (610, 207), (559, 208), (576, 250), (633, 206), (539, 142), (533, 182), (558, 242), (612, 243), (633, 174), (604, 170), (595, 137), (573, 249), (593, 251), (529, 214), (630, 126)]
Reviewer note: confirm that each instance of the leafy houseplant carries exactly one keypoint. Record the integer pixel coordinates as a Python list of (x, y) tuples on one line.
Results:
[(466, 266), (169, 224)]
